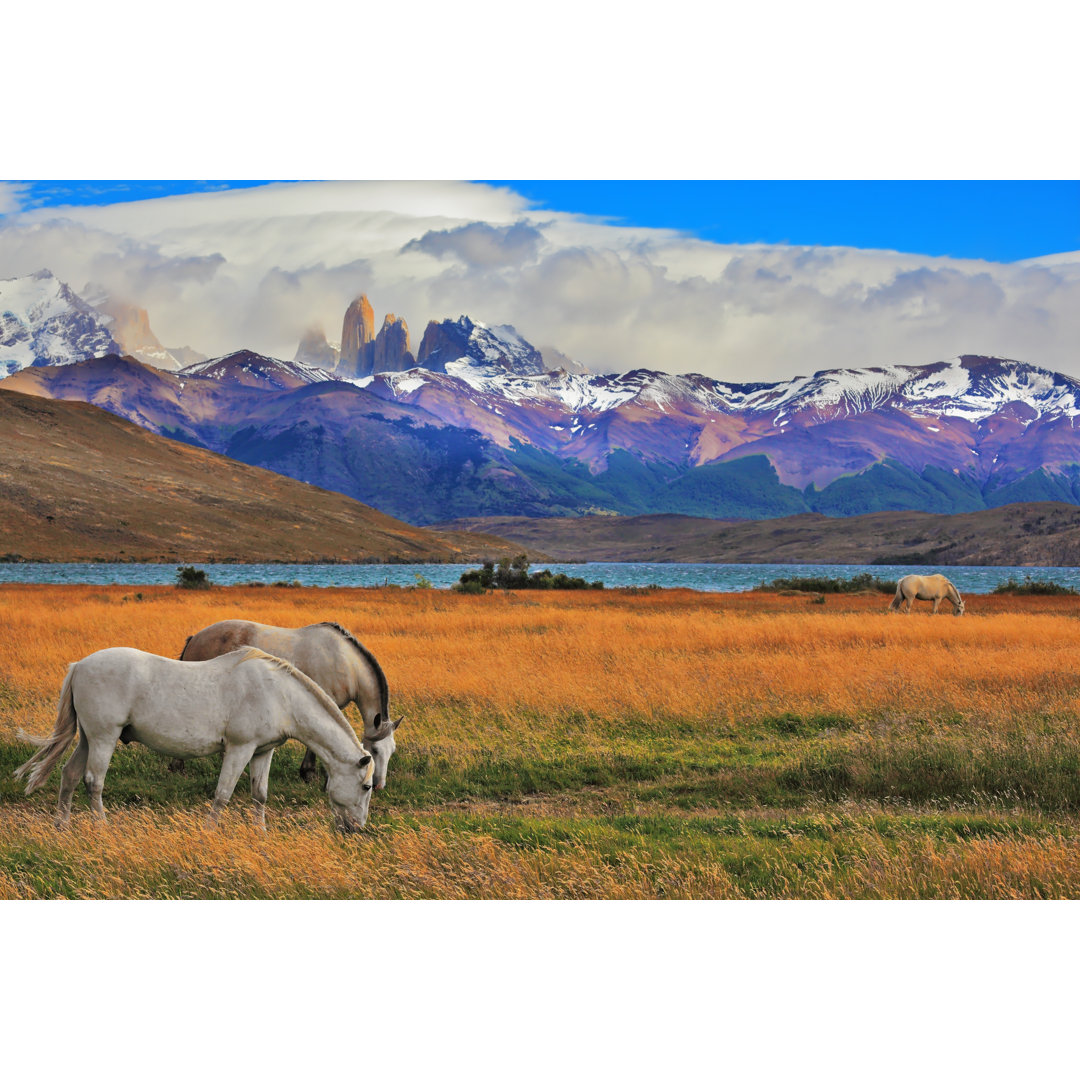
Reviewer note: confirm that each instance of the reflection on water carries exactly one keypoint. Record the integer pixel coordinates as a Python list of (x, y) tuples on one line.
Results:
[(708, 577)]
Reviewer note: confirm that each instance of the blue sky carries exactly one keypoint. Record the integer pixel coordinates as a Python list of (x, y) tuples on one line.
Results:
[(997, 220)]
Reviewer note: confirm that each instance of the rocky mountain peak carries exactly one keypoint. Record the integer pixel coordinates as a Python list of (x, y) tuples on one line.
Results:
[(131, 328), (315, 351), (247, 368), (357, 339), (490, 349), (391, 352)]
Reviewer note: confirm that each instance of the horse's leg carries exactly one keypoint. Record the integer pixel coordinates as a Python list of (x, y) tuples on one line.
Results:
[(309, 767), (232, 765), (98, 757), (260, 775), (70, 776), (937, 604)]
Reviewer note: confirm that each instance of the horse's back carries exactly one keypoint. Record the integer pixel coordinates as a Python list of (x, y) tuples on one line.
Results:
[(231, 634), (320, 651), (119, 664), (121, 667), (219, 638), (180, 708), (920, 583)]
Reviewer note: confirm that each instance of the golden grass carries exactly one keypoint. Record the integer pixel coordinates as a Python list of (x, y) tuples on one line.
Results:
[(141, 854), (532, 660), (146, 855), (506, 678)]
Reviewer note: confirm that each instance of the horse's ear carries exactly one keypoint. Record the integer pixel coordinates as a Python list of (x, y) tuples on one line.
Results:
[(364, 762), (397, 722), (377, 722)]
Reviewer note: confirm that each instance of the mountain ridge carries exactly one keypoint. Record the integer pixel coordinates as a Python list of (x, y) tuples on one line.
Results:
[(1022, 534), (480, 425)]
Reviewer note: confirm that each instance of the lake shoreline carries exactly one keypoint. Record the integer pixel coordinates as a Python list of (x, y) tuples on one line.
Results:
[(699, 577)]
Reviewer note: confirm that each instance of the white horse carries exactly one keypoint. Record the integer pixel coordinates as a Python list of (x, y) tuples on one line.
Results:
[(327, 653), (246, 703), (935, 587)]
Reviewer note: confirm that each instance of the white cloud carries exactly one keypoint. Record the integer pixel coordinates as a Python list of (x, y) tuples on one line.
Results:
[(253, 268), (11, 196)]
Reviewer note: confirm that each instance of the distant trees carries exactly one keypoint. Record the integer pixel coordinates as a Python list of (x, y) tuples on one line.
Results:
[(514, 574)]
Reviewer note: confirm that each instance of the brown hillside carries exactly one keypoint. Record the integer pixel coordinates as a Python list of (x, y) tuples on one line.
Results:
[(78, 483), (1021, 534)]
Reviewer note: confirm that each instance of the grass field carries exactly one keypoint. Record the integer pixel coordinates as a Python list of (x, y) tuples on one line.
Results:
[(598, 744)]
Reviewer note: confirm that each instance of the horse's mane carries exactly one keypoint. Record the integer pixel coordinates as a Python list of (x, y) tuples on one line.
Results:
[(384, 689), (324, 699)]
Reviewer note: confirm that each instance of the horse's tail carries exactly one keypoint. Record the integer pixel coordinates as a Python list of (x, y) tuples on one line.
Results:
[(898, 599), (54, 745), (184, 649)]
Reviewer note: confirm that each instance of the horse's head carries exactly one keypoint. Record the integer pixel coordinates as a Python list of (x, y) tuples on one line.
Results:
[(381, 745), (349, 790), (958, 608)]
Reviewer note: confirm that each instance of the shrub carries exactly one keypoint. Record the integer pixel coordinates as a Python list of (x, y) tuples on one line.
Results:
[(187, 577), (1028, 587), (472, 588), (514, 574), (859, 583)]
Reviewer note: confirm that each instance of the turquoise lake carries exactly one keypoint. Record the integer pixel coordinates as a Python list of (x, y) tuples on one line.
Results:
[(707, 577)]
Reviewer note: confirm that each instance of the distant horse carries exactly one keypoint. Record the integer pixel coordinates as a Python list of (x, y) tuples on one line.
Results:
[(327, 653), (246, 703), (935, 587)]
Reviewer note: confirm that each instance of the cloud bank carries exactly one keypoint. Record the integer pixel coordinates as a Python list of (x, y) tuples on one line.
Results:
[(254, 268)]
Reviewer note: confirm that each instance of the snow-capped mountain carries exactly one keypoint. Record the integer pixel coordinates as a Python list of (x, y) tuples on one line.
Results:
[(252, 369), (479, 426), (971, 387), (42, 321), (474, 347)]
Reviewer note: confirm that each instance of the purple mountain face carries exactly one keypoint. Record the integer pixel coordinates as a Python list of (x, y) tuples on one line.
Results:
[(504, 434), (984, 415), (253, 370)]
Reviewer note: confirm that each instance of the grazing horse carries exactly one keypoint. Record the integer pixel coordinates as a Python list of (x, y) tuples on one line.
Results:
[(246, 703), (935, 587), (327, 653)]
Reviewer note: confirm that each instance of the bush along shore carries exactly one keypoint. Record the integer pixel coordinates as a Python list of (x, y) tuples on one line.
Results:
[(1028, 587), (514, 574), (859, 583)]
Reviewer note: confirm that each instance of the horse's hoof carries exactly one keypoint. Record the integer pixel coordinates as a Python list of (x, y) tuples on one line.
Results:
[(176, 765), (308, 775)]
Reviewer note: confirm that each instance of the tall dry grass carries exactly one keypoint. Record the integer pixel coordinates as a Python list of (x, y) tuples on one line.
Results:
[(141, 854), (527, 663), (706, 705)]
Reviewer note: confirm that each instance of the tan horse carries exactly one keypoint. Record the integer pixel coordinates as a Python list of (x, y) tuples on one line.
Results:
[(326, 653), (935, 587)]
